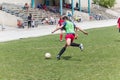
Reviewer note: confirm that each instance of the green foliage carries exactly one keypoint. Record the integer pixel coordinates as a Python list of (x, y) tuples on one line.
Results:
[(105, 3), (24, 59), (95, 1)]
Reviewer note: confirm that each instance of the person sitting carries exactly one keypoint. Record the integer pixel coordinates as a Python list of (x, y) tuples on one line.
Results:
[(52, 20), (0, 7), (39, 6), (78, 18), (45, 20), (45, 7), (33, 23), (69, 15), (26, 6), (20, 24)]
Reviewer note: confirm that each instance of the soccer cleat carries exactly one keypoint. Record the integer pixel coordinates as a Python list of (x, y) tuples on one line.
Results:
[(61, 40), (81, 47), (58, 57)]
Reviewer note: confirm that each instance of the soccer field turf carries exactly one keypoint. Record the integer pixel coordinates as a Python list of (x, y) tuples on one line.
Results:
[(24, 59)]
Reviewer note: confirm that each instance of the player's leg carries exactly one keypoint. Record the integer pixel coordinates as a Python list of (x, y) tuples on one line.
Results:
[(72, 36), (61, 35), (76, 44), (61, 52), (68, 42)]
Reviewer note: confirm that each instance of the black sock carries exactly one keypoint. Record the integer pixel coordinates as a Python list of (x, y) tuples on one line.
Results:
[(62, 51), (74, 44)]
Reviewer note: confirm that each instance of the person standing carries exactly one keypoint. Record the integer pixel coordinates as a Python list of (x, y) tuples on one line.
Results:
[(29, 20), (33, 23), (77, 5), (69, 27), (26, 7), (60, 22), (69, 16), (118, 24)]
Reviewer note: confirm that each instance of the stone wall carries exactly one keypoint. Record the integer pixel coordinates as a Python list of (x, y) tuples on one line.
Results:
[(19, 2), (84, 3), (7, 19)]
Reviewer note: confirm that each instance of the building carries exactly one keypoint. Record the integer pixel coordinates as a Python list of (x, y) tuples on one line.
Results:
[(49, 2), (20, 2), (83, 2)]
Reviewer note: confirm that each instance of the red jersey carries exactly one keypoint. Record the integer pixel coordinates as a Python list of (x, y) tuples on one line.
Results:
[(60, 22), (118, 23)]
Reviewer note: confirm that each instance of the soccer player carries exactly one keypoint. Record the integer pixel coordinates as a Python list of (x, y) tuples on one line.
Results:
[(60, 22), (69, 27), (118, 24)]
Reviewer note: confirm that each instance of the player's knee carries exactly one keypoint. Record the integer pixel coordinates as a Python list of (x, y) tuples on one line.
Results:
[(68, 44)]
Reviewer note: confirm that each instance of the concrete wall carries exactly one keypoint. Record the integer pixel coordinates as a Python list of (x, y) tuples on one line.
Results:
[(20, 2), (84, 3), (7, 19), (117, 5)]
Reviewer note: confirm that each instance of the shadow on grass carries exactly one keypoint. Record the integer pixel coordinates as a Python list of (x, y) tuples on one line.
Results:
[(69, 58), (66, 57), (117, 40)]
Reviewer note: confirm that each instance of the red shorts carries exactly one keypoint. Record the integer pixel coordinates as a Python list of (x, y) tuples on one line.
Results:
[(119, 26), (70, 36)]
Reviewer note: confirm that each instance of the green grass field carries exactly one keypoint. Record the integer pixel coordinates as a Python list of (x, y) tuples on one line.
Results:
[(24, 59)]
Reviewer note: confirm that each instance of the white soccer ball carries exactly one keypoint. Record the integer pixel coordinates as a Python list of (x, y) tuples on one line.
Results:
[(47, 55)]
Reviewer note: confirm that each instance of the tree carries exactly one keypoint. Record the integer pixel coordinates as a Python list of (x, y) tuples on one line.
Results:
[(105, 3)]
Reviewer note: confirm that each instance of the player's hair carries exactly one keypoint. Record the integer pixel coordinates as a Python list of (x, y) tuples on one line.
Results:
[(65, 18)]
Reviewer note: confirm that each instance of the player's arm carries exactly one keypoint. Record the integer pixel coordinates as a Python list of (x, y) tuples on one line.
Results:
[(57, 28), (78, 28)]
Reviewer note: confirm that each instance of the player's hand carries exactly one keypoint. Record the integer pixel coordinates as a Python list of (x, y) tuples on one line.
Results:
[(76, 36), (52, 32)]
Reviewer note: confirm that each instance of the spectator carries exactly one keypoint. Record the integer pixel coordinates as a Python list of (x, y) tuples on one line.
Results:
[(78, 18), (0, 7), (77, 5), (64, 5), (29, 20), (100, 16), (69, 15), (45, 20), (33, 23), (45, 7), (20, 24), (26, 6), (52, 20), (39, 6)]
